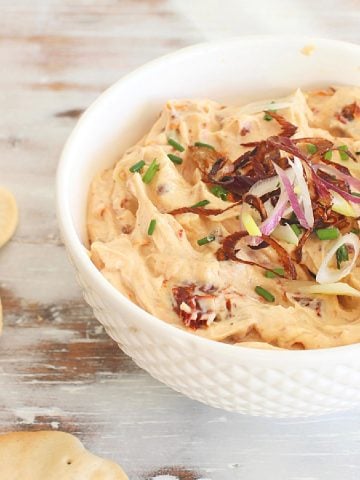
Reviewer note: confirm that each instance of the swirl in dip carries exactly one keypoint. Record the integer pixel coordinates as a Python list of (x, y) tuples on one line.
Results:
[(239, 224)]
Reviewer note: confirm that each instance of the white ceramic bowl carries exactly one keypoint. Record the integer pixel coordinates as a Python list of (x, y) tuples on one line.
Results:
[(257, 382)]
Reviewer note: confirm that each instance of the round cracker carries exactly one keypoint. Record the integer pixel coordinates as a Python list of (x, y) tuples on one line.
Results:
[(1, 316), (8, 215), (52, 455)]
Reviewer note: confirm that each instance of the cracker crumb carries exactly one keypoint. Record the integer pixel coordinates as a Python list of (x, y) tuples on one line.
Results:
[(308, 50)]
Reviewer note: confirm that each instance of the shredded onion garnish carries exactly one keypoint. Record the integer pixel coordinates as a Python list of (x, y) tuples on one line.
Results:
[(342, 206), (287, 185), (229, 251), (327, 274), (289, 191), (343, 193), (337, 288), (336, 172), (286, 234), (249, 222), (273, 220), (305, 194), (262, 187)]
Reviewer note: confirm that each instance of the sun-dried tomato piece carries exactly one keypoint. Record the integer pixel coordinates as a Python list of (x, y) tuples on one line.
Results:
[(196, 309)]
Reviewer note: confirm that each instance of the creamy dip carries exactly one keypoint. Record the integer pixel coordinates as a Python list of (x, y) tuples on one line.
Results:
[(167, 262)]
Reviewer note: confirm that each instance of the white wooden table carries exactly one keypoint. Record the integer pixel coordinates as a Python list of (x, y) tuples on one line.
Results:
[(58, 369)]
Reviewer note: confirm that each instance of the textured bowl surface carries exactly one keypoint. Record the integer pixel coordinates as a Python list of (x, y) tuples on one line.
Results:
[(257, 382)]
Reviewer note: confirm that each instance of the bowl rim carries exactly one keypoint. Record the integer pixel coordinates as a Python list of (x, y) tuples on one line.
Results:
[(78, 251)]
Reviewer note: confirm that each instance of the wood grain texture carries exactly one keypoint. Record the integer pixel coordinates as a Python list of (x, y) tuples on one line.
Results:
[(58, 368)]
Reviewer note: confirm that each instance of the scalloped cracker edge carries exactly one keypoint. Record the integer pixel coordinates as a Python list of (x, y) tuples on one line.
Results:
[(52, 455), (8, 215)]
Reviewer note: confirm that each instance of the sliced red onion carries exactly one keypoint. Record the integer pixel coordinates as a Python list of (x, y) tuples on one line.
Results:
[(346, 195), (262, 187), (268, 207), (330, 275), (273, 220), (298, 169), (352, 181), (285, 181)]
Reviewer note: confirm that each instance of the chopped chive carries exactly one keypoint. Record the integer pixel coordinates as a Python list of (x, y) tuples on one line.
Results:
[(219, 192), (206, 145), (342, 255), (311, 148), (267, 117), (275, 272), (356, 194), (150, 172), (264, 294), (343, 152), (355, 230), (175, 159), (202, 203), (205, 240), (137, 166), (328, 155), (152, 226), (327, 233), (175, 145), (296, 229)]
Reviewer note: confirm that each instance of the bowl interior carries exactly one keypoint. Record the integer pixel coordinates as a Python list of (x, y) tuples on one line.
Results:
[(234, 71)]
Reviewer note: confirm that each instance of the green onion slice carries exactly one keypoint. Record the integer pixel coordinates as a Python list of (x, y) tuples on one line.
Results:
[(150, 172), (175, 145), (267, 117), (202, 144), (275, 272), (342, 255), (152, 226), (219, 192), (202, 203), (137, 166), (296, 229), (343, 152), (269, 297), (175, 159), (327, 233), (205, 240), (328, 155), (311, 148)]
